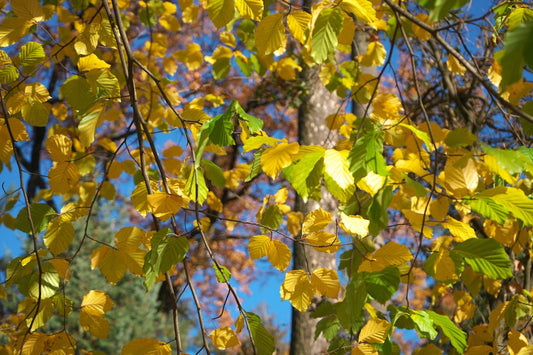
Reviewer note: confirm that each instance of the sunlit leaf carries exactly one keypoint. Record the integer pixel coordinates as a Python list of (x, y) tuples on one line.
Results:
[(325, 282), (93, 307), (146, 346), (279, 255), (258, 246), (375, 331), (224, 338), (270, 34)]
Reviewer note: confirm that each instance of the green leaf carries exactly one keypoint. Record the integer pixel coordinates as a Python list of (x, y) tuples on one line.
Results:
[(220, 11), (518, 51), (167, 250), (367, 155), (202, 140), (41, 215), (225, 271), (8, 74), (221, 128), (254, 124), (456, 335), (272, 217), (329, 327), (31, 54), (35, 113), (263, 340), (77, 91), (460, 137), (305, 175), (439, 9), (327, 27), (349, 311), (513, 200), (214, 173), (420, 190), (486, 256), (147, 17), (382, 285), (104, 84), (377, 211), (190, 186), (62, 304), (488, 208), (424, 324), (510, 160), (255, 167)]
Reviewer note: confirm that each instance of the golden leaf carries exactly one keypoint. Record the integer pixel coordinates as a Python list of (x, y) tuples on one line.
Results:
[(324, 241), (91, 62), (146, 346), (164, 205), (258, 246), (270, 35), (93, 307), (298, 23), (354, 224), (374, 56), (390, 254), (279, 255), (316, 220), (60, 147), (375, 331), (297, 289), (63, 177), (455, 66), (325, 282), (224, 338), (276, 158)]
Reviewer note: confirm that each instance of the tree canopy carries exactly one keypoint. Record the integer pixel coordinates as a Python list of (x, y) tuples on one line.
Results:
[(187, 114)]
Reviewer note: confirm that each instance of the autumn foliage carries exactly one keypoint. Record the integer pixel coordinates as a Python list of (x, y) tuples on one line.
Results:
[(185, 114)]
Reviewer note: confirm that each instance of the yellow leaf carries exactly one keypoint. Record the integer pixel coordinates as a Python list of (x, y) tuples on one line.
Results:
[(347, 34), (170, 22), (372, 183), (258, 246), (63, 177), (374, 56), (62, 267), (416, 219), (362, 9), (324, 241), (28, 10), (170, 65), (336, 166), (364, 349), (279, 255), (35, 344), (239, 323), (287, 68), (460, 230), (495, 73), (252, 9), (354, 224), (297, 289), (59, 235), (228, 39), (111, 263), (375, 331), (294, 222), (325, 282), (164, 205), (495, 167), (28, 306), (60, 344), (432, 349), (460, 177), (192, 56), (35, 113), (298, 23), (419, 31), (3, 293), (455, 66), (60, 147), (506, 234), (270, 35), (444, 267), (276, 158), (91, 62), (465, 307), (439, 208), (390, 254), (146, 346), (386, 107), (516, 341), (316, 220), (224, 338), (93, 307), (38, 92)]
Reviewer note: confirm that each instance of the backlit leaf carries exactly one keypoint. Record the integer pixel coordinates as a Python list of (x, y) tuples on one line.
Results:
[(93, 307), (355, 225), (325, 282), (374, 56), (339, 180), (258, 246), (224, 338), (279, 255), (486, 256), (316, 220), (270, 34), (391, 253), (59, 235), (297, 289), (362, 9), (252, 9), (263, 340), (220, 11), (327, 26), (276, 158), (375, 331), (63, 177), (324, 241), (298, 23)]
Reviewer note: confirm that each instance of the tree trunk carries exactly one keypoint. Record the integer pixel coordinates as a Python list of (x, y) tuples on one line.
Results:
[(312, 129)]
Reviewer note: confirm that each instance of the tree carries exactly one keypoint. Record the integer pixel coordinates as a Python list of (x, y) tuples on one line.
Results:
[(148, 104)]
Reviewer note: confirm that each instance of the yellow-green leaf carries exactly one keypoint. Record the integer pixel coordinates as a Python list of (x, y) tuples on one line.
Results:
[(59, 235), (279, 255), (252, 9), (270, 35), (224, 338), (220, 11)]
